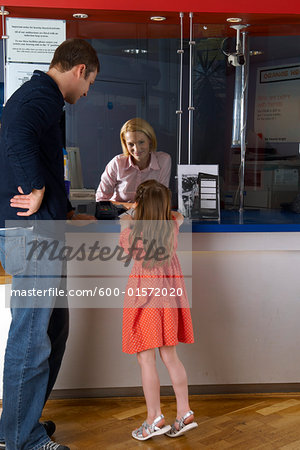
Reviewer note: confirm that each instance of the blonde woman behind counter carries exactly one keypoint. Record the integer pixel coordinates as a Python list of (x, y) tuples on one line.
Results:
[(139, 162)]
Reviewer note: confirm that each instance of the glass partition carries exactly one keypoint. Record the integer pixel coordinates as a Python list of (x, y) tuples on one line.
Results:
[(272, 157), (272, 137), (140, 77)]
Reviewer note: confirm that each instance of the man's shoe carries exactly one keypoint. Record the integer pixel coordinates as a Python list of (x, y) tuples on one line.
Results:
[(54, 446), (49, 426), (49, 446)]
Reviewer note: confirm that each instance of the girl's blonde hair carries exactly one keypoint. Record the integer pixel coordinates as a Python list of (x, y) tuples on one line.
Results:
[(138, 124), (153, 220)]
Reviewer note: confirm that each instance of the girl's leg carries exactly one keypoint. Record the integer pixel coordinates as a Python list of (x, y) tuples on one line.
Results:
[(179, 380), (151, 385)]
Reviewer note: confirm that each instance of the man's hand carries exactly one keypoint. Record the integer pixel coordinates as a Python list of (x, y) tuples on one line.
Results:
[(31, 202)]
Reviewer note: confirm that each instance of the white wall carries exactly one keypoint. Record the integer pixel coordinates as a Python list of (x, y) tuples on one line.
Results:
[(4, 325), (245, 311)]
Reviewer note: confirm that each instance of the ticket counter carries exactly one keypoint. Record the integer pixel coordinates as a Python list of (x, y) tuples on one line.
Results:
[(245, 311)]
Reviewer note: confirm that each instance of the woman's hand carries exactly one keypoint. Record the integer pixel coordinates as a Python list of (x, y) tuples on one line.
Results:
[(31, 202), (83, 217), (80, 217), (126, 205), (73, 216)]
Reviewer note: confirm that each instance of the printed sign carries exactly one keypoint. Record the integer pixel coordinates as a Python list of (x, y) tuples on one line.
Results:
[(277, 104), (33, 40), (18, 73), (31, 44)]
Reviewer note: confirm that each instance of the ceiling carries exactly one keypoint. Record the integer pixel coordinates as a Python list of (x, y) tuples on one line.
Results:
[(104, 24)]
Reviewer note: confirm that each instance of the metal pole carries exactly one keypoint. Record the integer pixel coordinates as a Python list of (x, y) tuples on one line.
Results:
[(4, 37), (236, 125), (236, 119), (179, 110), (244, 98), (191, 107)]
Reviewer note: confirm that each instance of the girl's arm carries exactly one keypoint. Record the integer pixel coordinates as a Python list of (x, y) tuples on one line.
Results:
[(125, 221), (178, 217)]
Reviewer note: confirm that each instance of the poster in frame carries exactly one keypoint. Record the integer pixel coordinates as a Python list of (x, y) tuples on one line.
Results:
[(188, 187)]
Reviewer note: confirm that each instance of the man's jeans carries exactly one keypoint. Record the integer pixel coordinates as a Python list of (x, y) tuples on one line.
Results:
[(36, 340)]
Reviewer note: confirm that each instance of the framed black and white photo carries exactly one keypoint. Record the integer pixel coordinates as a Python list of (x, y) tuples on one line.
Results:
[(188, 187)]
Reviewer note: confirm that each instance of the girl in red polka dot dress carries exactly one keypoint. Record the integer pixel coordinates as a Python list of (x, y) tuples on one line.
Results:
[(156, 311)]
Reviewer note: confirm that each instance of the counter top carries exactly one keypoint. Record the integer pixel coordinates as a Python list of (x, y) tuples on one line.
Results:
[(254, 220)]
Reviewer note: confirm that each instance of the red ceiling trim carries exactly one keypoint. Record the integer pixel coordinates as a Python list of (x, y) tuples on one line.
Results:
[(254, 6)]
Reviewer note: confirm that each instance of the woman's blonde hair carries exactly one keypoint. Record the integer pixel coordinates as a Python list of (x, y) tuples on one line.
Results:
[(153, 220), (138, 124)]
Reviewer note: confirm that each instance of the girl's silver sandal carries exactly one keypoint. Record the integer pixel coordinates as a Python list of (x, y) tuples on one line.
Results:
[(182, 427), (151, 430)]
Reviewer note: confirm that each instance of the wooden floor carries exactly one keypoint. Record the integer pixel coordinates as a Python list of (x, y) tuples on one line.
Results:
[(263, 421), (4, 277)]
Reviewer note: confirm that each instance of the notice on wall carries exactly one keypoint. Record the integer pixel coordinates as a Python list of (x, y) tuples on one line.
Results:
[(18, 73), (31, 44), (277, 104), (33, 40)]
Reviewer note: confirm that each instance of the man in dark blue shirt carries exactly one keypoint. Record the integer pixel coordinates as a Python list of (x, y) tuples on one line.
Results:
[(32, 189)]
